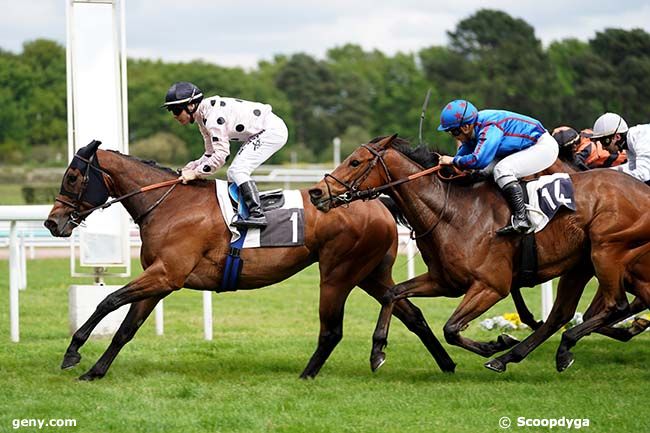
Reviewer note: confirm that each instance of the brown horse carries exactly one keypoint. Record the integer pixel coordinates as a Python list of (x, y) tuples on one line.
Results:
[(608, 236), (185, 242)]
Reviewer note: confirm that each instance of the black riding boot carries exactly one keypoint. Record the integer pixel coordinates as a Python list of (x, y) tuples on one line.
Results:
[(514, 195), (251, 197)]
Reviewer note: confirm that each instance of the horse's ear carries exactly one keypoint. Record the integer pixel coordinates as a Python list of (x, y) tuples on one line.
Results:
[(387, 141), (89, 149)]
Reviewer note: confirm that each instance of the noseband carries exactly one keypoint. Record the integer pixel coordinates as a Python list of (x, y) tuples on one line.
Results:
[(353, 192)]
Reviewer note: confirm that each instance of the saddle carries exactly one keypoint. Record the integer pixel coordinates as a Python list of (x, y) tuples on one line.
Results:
[(270, 200)]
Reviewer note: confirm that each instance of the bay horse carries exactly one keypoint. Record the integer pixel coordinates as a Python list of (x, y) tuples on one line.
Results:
[(607, 236), (185, 241)]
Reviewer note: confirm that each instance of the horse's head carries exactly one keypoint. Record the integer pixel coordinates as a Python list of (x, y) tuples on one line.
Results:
[(363, 170), (83, 188)]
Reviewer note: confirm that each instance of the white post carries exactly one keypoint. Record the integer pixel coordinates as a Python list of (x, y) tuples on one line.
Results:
[(337, 151), (159, 318), (22, 252), (547, 299), (14, 281), (410, 257), (207, 315)]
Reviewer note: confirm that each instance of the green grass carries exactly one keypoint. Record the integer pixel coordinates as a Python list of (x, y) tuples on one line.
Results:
[(246, 380)]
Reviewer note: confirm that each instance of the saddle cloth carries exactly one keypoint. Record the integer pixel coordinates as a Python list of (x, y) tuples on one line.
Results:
[(286, 223), (546, 196)]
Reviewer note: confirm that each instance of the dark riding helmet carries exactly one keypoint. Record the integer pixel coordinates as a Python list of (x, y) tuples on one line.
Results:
[(181, 94), (566, 137)]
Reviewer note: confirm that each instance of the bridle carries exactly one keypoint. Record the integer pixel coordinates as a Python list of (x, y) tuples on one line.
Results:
[(353, 192), (77, 215)]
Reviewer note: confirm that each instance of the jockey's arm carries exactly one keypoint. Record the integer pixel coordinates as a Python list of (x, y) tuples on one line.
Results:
[(486, 148), (639, 141)]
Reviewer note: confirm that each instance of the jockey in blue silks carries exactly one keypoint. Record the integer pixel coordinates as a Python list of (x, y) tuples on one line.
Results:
[(508, 145)]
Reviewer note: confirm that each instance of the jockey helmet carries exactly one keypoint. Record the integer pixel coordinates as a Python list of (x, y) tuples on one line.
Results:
[(456, 114), (182, 93), (566, 137), (609, 124)]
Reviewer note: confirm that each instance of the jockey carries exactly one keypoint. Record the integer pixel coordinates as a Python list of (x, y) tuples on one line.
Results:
[(507, 144), (611, 130), (221, 120), (586, 154)]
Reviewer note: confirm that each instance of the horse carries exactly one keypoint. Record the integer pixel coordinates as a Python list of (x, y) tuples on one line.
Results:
[(185, 241), (607, 236)]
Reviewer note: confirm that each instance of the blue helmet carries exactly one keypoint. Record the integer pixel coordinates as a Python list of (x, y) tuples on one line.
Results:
[(457, 113), (182, 93)]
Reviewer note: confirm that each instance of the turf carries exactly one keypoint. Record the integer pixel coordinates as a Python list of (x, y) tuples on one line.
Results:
[(246, 379)]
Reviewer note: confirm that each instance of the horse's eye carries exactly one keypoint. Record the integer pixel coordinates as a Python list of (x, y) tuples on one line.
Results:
[(355, 163), (72, 178)]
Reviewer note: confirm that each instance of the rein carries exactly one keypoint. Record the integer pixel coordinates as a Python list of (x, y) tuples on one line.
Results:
[(353, 193), (76, 217)]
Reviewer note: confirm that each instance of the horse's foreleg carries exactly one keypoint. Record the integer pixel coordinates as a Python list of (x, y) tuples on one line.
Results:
[(479, 298), (152, 282), (422, 285), (525, 315), (331, 307), (569, 290), (136, 316)]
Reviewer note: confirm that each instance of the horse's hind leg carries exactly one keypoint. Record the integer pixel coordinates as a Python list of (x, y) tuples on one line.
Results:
[(624, 334), (136, 316), (569, 290), (151, 283)]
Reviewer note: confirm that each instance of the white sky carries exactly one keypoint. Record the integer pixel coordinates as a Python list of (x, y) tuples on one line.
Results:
[(242, 32)]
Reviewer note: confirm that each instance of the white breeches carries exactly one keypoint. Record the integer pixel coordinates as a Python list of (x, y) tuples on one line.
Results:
[(258, 149), (534, 159)]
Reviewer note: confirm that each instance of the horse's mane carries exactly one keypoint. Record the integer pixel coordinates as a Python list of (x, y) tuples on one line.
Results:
[(421, 154), (148, 162)]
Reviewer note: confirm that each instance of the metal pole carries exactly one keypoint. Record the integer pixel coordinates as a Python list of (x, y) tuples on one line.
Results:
[(159, 318), (207, 315), (14, 282), (547, 299)]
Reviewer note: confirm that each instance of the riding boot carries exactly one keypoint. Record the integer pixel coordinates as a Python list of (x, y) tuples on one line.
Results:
[(251, 197), (514, 195)]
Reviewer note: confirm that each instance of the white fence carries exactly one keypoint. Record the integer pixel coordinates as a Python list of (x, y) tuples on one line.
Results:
[(21, 229)]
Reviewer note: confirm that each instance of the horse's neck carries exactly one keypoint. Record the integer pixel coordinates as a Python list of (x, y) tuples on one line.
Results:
[(128, 175)]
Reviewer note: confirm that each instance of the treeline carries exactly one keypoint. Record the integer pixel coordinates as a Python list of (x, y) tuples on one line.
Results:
[(492, 59)]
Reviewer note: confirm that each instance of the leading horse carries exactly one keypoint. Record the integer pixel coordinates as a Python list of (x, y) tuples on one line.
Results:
[(185, 241), (607, 236)]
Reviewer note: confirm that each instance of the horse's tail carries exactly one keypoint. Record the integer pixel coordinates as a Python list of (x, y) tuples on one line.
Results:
[(395, 211)]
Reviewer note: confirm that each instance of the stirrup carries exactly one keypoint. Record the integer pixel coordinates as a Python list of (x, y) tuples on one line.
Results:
[(251, 222), (512, 229)]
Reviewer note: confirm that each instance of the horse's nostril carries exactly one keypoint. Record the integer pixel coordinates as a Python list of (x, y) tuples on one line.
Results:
[(50, 225), (315, 193)]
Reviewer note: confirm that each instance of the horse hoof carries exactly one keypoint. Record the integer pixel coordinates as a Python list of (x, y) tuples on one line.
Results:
[(496, 365), (377, 361), (89, 376), (564, 361), (507, 341), (307, 376), (449, 368), (70, 360)]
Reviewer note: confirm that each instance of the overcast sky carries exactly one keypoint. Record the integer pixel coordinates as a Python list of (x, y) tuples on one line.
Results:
[(242, 32)]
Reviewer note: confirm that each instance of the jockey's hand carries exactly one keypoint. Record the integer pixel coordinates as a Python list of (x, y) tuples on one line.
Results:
[(188, 175), (446, 160)]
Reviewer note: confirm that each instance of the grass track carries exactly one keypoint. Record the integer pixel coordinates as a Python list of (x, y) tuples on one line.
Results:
[(246, 380)]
